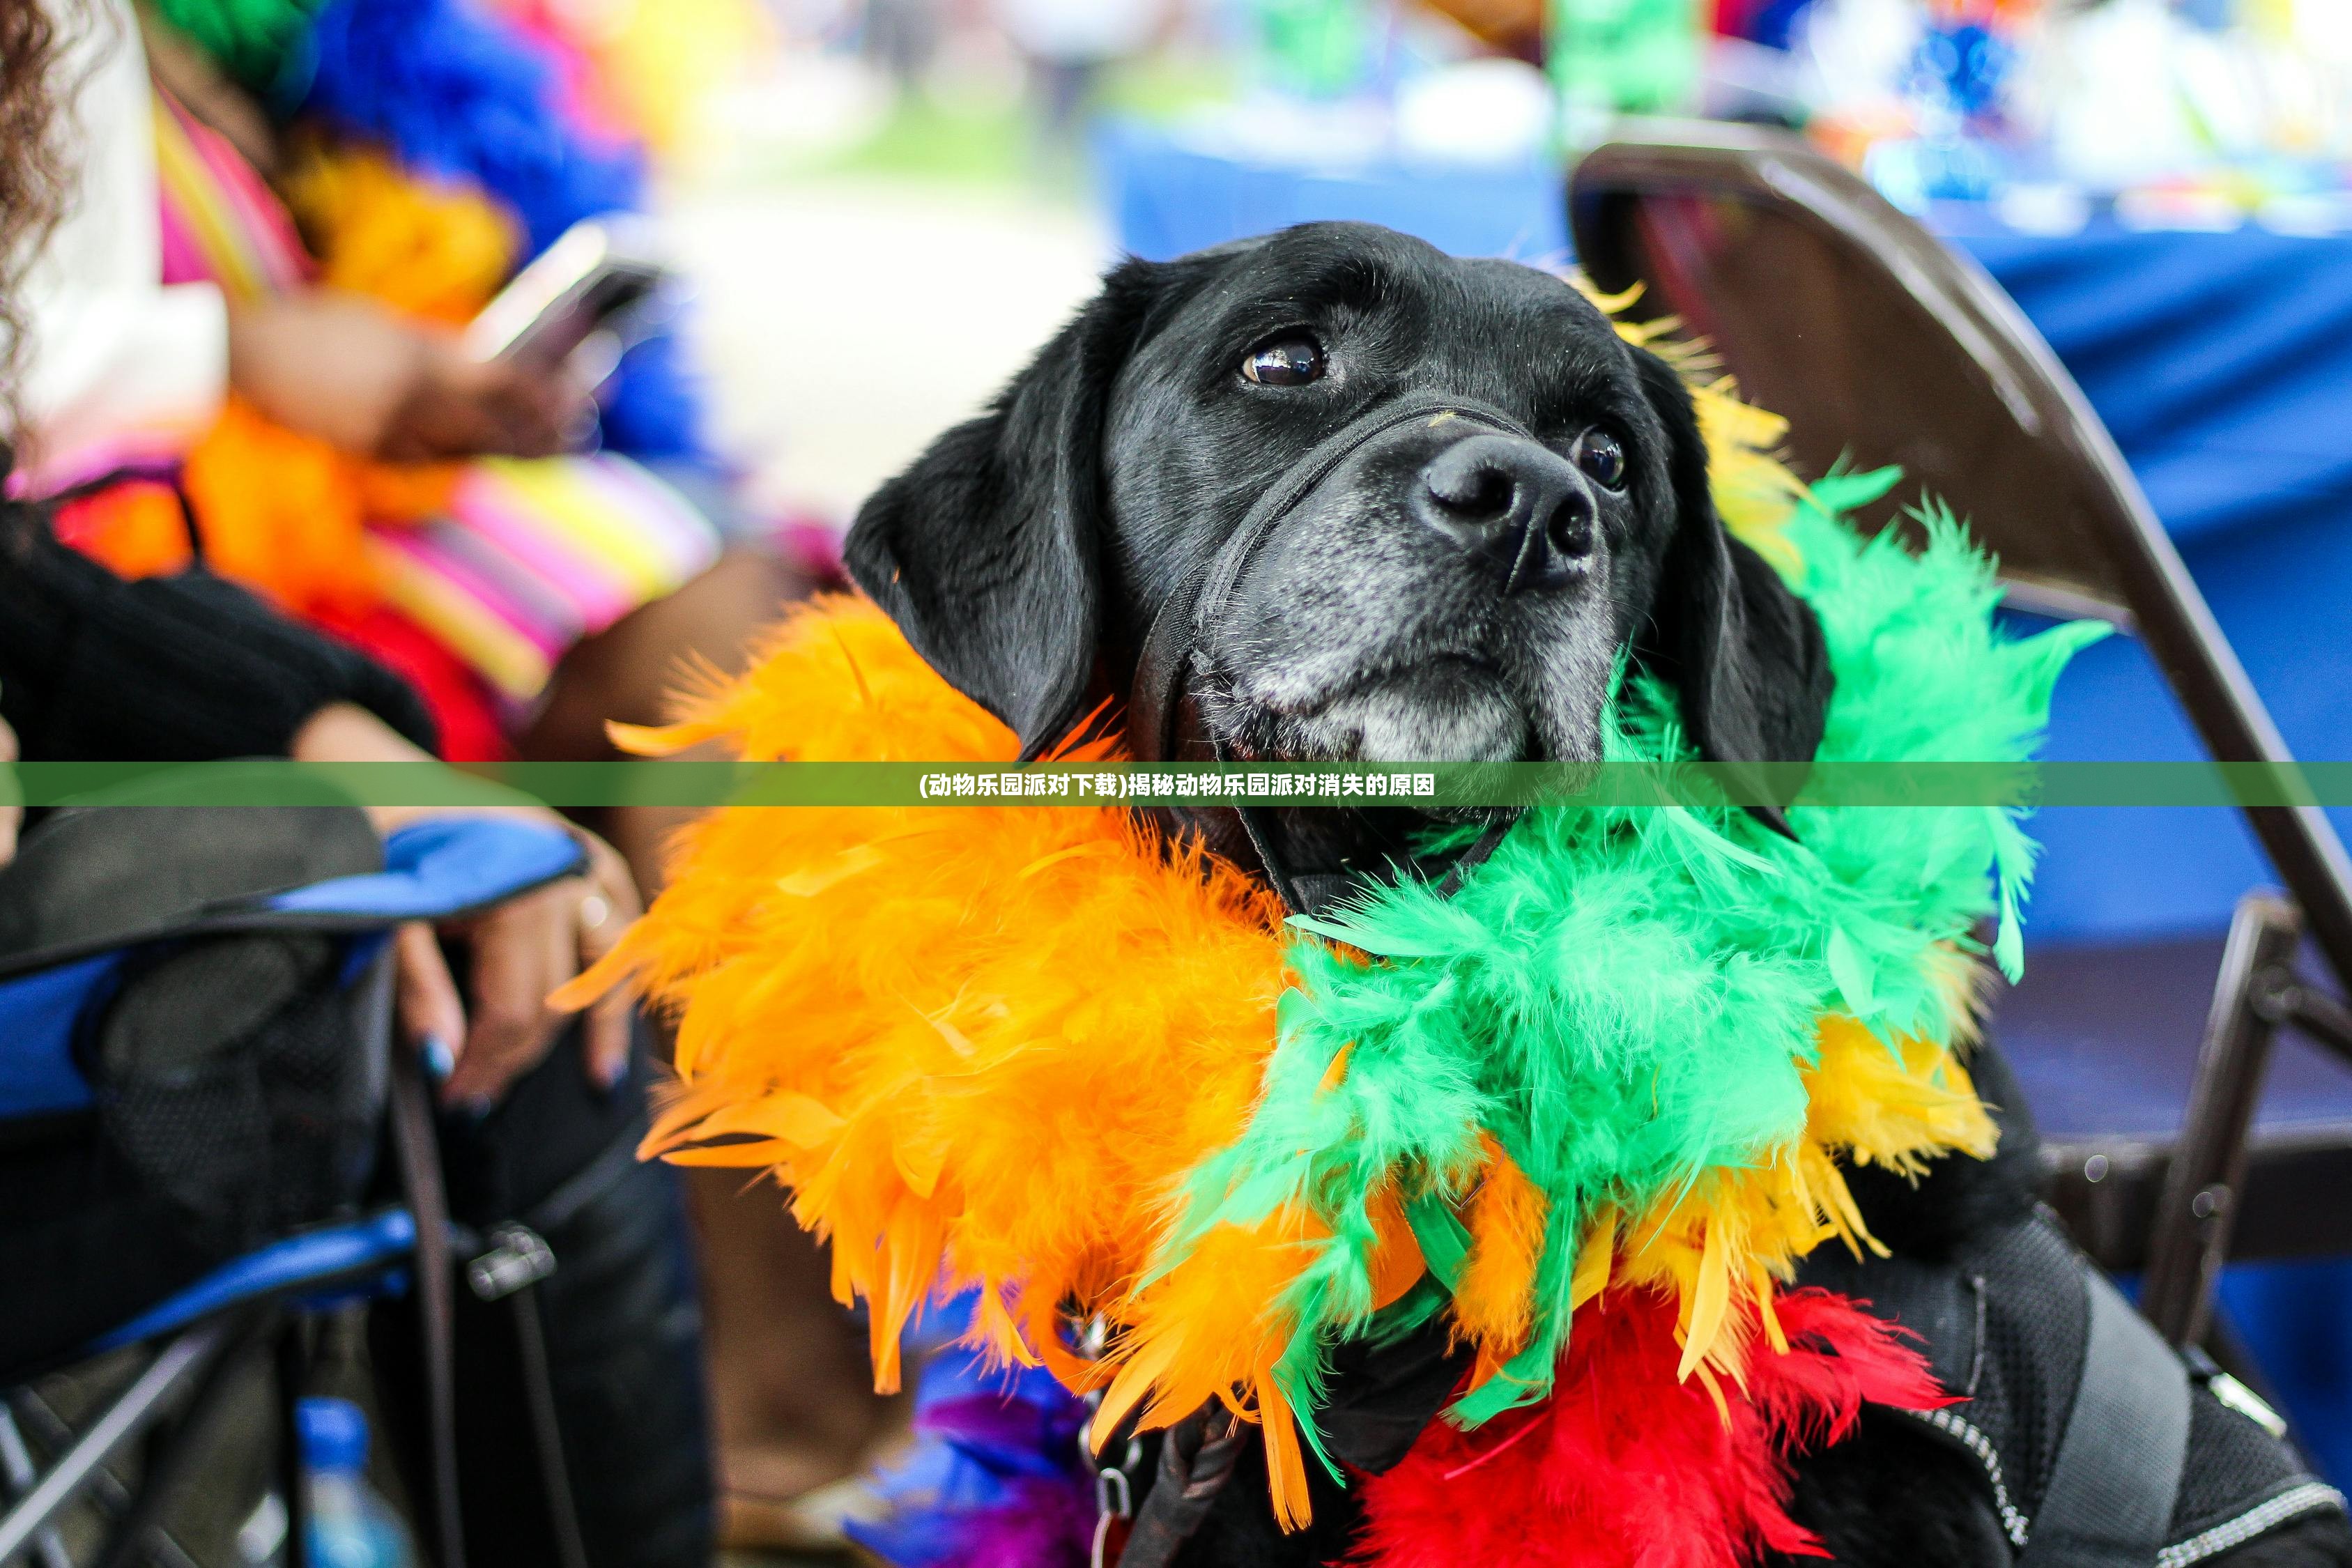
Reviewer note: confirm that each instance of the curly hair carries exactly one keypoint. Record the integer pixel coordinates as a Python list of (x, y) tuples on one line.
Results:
[(34, 37)]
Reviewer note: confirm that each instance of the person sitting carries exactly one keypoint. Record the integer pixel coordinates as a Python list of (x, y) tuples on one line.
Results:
[(192, 667), (334, 446), (537, 1105)]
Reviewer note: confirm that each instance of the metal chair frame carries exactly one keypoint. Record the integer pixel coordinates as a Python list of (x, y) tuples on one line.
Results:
[(2102, 551), (203, 1331)]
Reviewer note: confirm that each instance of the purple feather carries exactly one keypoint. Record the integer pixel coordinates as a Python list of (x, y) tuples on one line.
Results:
[(997, 1479)]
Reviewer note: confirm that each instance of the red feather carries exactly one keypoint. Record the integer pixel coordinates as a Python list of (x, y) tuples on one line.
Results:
[(1627, 1468)]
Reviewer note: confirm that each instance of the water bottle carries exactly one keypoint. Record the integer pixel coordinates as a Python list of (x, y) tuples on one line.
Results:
[(351, 1525)]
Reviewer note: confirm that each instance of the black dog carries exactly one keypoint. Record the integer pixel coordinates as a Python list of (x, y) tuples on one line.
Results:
[(1334, 495)]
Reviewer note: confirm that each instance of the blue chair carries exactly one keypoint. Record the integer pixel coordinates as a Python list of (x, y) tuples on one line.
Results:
[(439, 870)]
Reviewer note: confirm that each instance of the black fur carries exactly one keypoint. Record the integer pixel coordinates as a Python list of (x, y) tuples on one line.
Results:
[(1026, 555), (988, 552), (1723, 594)]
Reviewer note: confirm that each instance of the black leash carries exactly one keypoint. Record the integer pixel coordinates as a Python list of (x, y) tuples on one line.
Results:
[(418, 1157)]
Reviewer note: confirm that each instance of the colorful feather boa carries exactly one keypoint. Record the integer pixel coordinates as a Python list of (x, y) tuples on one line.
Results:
[(1031, 1052)]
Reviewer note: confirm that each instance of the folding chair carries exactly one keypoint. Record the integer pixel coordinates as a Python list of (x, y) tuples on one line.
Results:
[(442, 869), (1881, 345)]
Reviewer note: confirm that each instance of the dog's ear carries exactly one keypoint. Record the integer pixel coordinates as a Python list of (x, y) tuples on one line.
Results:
[(987, 550), (1746, 653)]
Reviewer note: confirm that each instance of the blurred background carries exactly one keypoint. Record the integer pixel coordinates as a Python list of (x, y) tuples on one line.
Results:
[(887, 203)]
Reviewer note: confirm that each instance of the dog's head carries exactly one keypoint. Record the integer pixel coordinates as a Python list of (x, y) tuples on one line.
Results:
[(1456, 586)]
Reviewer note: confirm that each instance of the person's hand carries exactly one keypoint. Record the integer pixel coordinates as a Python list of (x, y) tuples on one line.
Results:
[(463, 407), (355, 375), (12, 812), (521, 951)]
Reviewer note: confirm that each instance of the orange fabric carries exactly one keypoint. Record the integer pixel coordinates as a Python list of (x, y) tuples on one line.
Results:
[(978, 1045), (133, 530), (285, 513)]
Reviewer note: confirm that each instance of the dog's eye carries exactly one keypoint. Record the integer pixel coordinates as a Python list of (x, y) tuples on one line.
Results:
[(1599, 456), (1288, 361)]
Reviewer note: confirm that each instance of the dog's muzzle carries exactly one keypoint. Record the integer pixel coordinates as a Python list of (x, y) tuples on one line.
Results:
[(1164, 721), (1164, 716)]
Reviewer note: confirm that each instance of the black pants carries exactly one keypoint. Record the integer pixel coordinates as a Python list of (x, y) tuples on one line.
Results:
[(620, 1319)]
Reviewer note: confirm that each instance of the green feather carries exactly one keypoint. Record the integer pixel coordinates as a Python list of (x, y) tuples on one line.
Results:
[(249, 39), (1626, 997)]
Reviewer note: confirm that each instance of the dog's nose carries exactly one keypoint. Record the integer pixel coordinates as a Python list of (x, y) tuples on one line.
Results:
[(1519, 507)]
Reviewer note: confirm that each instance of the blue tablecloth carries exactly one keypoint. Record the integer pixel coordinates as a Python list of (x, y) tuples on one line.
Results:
[(2223, 362)]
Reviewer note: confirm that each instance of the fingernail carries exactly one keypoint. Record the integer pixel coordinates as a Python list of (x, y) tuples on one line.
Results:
[(478, 1107), (440, 1061)]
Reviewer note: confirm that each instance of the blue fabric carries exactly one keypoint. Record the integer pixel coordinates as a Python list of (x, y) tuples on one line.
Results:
[(2222, 365), (433, 870), (442, 866), (314, 1257), (652, 408), (2223, 362), (38, 1014), (2291, 1317), (1166, 199)]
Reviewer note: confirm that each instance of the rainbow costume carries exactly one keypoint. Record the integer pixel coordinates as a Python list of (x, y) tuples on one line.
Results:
[(1587, 1114)]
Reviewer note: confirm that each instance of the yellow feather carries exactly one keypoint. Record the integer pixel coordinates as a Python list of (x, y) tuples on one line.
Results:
[(1707, 1304)]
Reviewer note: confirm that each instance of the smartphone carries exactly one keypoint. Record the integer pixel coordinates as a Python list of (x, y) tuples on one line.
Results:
[(603, 277)]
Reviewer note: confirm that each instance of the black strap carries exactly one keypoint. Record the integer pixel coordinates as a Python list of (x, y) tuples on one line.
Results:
[(419, 1159), (1262, 835), (547, 1428), (2110, 1498), (1193, 1469)]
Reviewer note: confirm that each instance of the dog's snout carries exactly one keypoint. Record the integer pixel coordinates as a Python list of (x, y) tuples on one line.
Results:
[(1516, 505)]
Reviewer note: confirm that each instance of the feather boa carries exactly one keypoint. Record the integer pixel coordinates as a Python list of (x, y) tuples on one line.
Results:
[(1624, 1468), (1542, 1123), (250, 39), (1628, 1468), (1030, 1052), (430, 249)]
